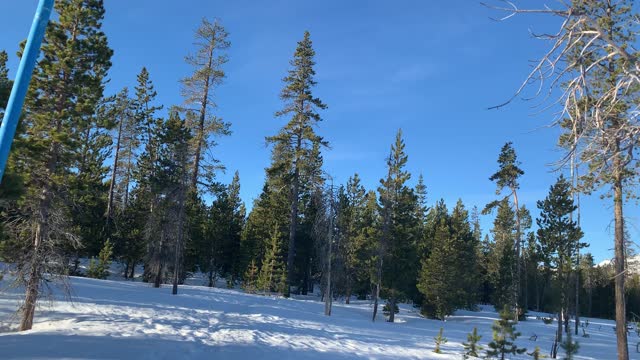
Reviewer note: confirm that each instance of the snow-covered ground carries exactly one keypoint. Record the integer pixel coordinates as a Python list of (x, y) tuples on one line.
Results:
[(131, 320)]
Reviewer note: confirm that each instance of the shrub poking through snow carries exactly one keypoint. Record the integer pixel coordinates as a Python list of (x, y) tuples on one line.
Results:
[(504, 336), (536, 354), (99, 269), (387, 312), (471, 347), (439, 341), (570, 347)]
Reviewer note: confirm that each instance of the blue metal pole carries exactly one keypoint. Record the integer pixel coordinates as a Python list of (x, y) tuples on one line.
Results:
[(23, 77)]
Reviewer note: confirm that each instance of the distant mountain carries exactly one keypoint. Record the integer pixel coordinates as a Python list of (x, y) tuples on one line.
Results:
[(634, 264)]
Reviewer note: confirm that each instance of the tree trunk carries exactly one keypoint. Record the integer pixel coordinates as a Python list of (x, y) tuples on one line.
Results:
[(376, 294), (133, 270), (525, 296), (559, 330), (114, 170), (377, 291), (127, 181), (328, 296), (293, 225), (32, 288), (574, 176), (518, 259), (347, 300), (200, 135), (158, 262), (31, 297), (562, 301), (211, 277), (590, 302), (126, 269), (158, 276), (621, 317), (577, 303), (537, 284), (178, 251), (392, 308)]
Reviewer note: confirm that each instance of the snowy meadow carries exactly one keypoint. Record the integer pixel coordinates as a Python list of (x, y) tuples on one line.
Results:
[(130, 320)]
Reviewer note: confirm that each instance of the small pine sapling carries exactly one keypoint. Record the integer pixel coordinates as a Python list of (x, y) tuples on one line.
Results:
[(282, 283), (471, 347), (439, 341), (250, 277), (570, 347), (504, 336), (99, 269), (536, 354)]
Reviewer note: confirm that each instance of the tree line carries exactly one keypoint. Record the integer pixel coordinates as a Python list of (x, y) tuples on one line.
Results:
[(120, 173)]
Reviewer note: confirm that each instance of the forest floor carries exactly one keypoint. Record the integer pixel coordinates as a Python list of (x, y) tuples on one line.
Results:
[(107, 319)]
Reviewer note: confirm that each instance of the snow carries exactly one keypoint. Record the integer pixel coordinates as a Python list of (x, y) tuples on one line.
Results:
[(632, 262), (130, 320)]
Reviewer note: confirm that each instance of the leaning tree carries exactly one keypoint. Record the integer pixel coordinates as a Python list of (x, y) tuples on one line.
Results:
[(591, 73)]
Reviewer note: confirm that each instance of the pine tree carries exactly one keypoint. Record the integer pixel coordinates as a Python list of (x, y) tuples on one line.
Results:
[(270, 207), (87, 189), (536, 355), (559, 237), (501, 262), (5, 83), (198, 90), (437, 276), (367, 244), (399, 264), (12, 183), (606, 142), (172, 182), (99, 269), (570, 347), (448, 278), (351, 201), (126, 143), (471, 347), (465, 259), (151, 126), (294, 145), (597, 79), (234, 229), (120, 222), (504, 336), (146, 199), (508, 176), (164, 190), (220, 247), (271, 266), (66, 87), (439, 341), (250, 278)]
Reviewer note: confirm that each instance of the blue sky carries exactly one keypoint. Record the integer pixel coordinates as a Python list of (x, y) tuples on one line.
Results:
[(430, 68)]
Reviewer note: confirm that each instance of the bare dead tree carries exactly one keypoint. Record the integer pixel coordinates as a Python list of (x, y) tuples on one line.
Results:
[(589, 78)]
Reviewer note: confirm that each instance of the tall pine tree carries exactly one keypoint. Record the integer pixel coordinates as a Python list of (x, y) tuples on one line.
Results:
[(399, 263), (559, 236), (65, 90), (295, 142)]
